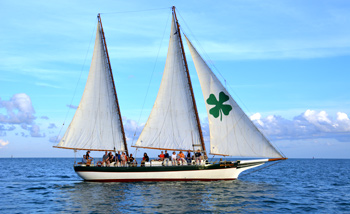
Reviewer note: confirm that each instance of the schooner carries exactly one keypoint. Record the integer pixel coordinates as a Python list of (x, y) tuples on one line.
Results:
[(173, 123)]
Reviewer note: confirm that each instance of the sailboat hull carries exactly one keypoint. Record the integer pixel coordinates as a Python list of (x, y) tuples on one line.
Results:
[(211, 172)]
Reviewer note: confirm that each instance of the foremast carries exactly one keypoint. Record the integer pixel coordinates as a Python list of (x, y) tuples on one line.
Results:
[(115, 91), (97, 123), (190, 84)]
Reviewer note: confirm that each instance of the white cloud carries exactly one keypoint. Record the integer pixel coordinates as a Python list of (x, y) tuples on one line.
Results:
[(47, 85), (35, 131), (19, 113), (132, 130), (55, 139), (19, 110), (310, 124), (3, 143), (342, 122), (257, 118), (52, 126)]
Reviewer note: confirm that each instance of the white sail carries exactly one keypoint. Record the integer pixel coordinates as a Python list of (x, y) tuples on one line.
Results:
[(172, 123), (96, 124), (232, 133)]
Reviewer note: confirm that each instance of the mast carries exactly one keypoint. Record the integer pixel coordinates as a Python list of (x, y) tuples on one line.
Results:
[(190, 84), (115, 92)]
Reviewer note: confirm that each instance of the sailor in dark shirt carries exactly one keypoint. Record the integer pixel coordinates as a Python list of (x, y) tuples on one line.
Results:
[(118, 156), (111, 158), (131, 159), (166, 157), (198, 157), (188, 157), (144, 159), (88, 158)]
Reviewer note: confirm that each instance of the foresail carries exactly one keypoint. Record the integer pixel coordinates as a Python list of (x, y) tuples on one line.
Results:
[(96, 124), (172, 123), (232, 133)]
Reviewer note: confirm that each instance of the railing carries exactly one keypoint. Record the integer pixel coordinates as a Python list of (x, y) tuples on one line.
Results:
[(152, 163)]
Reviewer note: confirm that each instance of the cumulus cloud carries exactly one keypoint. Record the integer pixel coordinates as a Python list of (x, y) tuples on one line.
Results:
[(205, 129), (5, 128), (52, 126), (3, 143), (343, 122), (20, 113), (19, 110), (132, 129), (35, 131), (310, 124), (54, 139)]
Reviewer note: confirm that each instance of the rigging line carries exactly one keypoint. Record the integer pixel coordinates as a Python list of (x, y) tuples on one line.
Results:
[(247, 109), (76, 86), (135, 153), (261, 168), (137, 11), (226, 85), (198, 43), (210, 61), (195, 109), (111, 84), (149, 84)]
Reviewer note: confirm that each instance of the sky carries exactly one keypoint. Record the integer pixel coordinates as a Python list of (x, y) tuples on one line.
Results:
[(286, 63)]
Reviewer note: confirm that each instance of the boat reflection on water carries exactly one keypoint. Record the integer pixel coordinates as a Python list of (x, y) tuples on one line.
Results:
[(162, 197)]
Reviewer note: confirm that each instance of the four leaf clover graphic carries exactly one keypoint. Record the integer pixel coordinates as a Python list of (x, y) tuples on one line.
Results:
[(219, 106)]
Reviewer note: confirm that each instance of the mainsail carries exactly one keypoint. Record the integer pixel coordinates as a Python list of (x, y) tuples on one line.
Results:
[(172, 123), (97, 124), (232, 133)]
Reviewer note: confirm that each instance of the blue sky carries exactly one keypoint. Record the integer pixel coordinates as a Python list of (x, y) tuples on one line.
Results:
[(285, 62)]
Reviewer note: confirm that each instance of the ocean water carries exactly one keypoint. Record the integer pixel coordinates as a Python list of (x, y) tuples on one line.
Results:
[(33, 185)]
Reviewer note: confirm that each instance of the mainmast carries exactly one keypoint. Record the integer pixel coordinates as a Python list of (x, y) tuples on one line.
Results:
[(190, 84), (115, 92)]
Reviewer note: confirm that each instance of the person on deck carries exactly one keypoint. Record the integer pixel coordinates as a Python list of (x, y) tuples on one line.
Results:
[(182, 158), (166, 157), (173, 159), (144, 159), (198, 157), (132, 161), (88, 158), (161, 156), (123, 159), (83, 160), (88, 155), (111, 158), (188, 157), (118, 157), (104, 160)]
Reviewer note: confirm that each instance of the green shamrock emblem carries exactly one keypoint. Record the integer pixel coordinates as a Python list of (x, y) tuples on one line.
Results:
[(219, 106)]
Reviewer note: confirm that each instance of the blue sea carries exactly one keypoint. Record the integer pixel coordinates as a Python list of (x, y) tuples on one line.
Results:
[(50, 185)]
